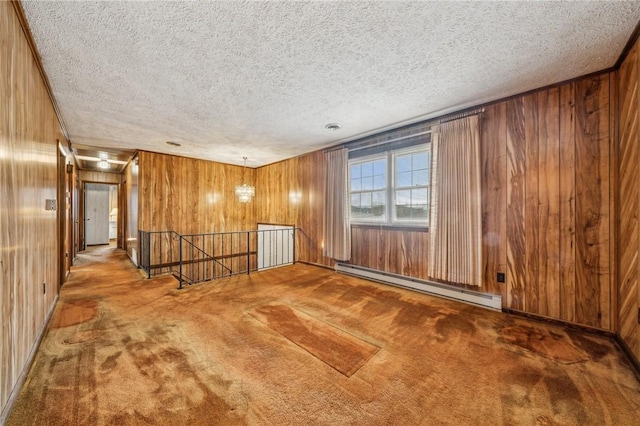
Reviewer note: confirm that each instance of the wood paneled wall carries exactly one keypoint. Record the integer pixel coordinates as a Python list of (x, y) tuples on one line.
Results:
[(547, 205), (291, 192), (403, 252), (29, 263), (628, 238), (129, 208), (191, 196)]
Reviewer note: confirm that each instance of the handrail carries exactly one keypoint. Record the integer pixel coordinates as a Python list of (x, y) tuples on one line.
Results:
[(202, 251), (191, 261)]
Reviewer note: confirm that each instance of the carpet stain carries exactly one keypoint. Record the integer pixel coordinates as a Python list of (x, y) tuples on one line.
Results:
[(111, 362), (336, 348), (414, 314), (544, 342), (592, 345), (138, 351), (73, 313), (450, 325)]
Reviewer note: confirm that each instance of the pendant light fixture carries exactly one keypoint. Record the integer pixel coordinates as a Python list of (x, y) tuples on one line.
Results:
[(245, 192)]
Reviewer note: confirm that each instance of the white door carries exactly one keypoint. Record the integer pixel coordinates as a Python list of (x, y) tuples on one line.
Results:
[(96, 214), (275, 246)]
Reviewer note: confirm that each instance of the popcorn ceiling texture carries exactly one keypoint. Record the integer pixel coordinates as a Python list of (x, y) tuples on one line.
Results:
[(261, 79)]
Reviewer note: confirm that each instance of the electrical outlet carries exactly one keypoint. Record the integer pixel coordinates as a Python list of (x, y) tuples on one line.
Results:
[(501, 277)]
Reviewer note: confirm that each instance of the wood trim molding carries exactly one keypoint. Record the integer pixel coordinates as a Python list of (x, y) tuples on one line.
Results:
[(627, 48), (17, 6)]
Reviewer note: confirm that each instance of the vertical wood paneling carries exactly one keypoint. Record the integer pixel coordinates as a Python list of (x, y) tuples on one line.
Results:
[(548, 202), (516, 179), (532, 202), (494, 193), (558, 201), (292, 192), (567, 204), (592, 201), (29, 263), (191, 196), (130, 213), (628, 239), (403, 252)]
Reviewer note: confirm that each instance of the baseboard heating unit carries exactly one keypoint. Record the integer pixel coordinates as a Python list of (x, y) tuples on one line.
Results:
[(490, 301)]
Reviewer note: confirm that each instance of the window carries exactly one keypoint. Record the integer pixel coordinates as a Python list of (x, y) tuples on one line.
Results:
[(391, 188), (411, 186), (369, 190)]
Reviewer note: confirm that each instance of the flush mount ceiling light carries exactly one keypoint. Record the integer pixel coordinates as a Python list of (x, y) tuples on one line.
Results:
[(333, 126), (173, 143), (98, 160), (245, 192), (103, 164)]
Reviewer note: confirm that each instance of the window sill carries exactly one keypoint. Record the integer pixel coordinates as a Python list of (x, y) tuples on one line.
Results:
[(399, 228)]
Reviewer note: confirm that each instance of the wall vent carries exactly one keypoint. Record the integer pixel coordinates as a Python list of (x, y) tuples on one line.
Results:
[(485, 300)]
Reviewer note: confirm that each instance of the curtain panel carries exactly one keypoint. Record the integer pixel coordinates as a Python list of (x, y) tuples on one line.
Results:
[(337, 232), (455, 230)]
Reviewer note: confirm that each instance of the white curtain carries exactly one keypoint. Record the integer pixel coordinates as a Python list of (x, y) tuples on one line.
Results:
[(455, 228), (337, 232)]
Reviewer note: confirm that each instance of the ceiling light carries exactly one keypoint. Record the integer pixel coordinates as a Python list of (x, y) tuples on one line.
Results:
[(103, 164), (87, 158), (173, 143), (333, 126), (245, 192)]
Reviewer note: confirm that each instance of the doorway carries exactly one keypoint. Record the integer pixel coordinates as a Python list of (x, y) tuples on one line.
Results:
[(100, 213)]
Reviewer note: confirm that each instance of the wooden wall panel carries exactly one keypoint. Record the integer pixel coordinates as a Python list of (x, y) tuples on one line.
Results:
[(291, 192), (567, 180), (402, 252), (494, 195), (628, 234), (516, 181), (592, 201), (532, 210), (29, 262), (549, 202), (558, 203), (129, 213), (191, 196), (99, 177)]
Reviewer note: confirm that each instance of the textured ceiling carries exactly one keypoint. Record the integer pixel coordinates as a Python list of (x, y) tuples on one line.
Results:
[(261, 79)]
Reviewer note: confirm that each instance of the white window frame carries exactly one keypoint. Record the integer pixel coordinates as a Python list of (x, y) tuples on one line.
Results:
[(392, 197), (390, 213), (367, 159)]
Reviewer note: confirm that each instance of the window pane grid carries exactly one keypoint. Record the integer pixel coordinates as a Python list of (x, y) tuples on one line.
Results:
[(391, 188), (368, 190)]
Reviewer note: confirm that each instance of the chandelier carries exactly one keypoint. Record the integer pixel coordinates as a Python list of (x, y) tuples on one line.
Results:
[(245, 192)]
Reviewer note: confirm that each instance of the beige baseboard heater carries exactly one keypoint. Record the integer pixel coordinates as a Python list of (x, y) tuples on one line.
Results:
[(486, 300)]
